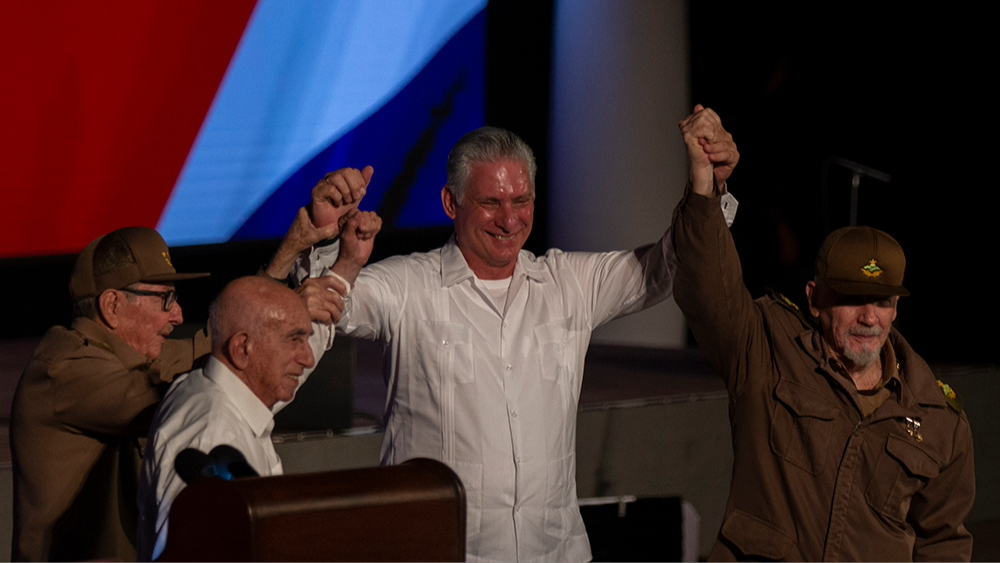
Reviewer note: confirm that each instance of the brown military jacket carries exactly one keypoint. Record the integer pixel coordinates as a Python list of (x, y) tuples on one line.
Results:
[(813, 479), (78, 422)]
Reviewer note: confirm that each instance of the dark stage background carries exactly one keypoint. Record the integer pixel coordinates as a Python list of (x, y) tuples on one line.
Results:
[(892, 88)]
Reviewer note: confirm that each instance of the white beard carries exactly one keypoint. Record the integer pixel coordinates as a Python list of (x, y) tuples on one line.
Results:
[(863, 358)]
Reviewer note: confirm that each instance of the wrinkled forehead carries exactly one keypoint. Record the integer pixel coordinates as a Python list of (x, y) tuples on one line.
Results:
[(506, 176), (297, 321), (283, 312)]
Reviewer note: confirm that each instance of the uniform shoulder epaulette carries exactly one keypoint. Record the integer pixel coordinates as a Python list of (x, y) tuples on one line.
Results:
[(787, 303), (98, 344), (950, 397)]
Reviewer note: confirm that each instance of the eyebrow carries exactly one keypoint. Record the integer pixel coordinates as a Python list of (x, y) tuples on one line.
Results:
[(299, 332)]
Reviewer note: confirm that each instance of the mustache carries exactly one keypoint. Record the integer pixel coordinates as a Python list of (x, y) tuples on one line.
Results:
[(865, 331)]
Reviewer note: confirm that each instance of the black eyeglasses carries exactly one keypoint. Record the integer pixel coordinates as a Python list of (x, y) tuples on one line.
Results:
[(169, 297)]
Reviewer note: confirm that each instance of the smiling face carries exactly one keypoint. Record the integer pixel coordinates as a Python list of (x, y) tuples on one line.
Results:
[(279, 351), (494, 219), (855, 326), (142, 322)]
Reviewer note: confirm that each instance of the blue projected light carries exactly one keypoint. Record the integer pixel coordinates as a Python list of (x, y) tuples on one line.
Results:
[(315, 86)]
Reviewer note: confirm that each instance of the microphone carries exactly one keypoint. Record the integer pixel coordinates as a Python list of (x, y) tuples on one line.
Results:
[(230, 464), (192, 465)]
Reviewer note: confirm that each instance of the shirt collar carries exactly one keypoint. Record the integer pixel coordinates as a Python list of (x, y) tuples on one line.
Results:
[(890, 367), (103, 338), (455, 269), (257, 415), (921, 387)]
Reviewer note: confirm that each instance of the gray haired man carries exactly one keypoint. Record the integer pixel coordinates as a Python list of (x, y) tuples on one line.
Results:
[(485, 347)]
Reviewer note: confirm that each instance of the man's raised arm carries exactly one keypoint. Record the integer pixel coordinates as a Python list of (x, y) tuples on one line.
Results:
[(333, 197), (712, 154), (709, 283)]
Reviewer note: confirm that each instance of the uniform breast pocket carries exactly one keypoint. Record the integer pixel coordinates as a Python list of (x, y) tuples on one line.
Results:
[(558, 345), (801, 425), (901, 470), (448, 346)]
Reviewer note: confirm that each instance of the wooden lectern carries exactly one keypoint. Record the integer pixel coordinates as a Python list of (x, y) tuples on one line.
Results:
[(409, 512)]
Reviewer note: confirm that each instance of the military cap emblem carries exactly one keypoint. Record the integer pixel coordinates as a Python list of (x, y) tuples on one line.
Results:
[(166, 258), (871, 269)]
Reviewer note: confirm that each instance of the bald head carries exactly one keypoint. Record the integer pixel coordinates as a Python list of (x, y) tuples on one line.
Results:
[(260, 331), (247, 304)]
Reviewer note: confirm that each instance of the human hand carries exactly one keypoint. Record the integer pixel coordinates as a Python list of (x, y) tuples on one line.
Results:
[(301, 236), (712, 153), (323, 297), (357, 239), (337, 193)]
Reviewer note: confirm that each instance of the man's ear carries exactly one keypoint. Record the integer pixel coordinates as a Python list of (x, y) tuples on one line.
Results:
[(448, 203), (238, 349), (811, 296), (108, 304)]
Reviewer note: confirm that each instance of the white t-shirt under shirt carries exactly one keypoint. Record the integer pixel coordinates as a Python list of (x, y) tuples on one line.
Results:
[(497, 290)]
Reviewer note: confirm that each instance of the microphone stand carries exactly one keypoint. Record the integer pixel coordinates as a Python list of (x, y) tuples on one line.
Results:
[(859, 170)]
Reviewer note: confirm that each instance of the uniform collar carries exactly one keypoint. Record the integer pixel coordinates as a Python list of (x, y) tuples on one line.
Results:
[(454, 268), (887, 356), (258, 417), (918, 385), (95, 334)]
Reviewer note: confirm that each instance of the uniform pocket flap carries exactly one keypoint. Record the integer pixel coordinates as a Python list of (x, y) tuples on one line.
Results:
[(755, 537), (803, 401), (912, 457)]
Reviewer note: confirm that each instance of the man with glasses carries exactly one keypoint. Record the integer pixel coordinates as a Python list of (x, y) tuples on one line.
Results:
[(81, 404), (84, 402)]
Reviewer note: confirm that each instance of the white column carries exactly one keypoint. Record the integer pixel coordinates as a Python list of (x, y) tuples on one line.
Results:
[(617, 162)]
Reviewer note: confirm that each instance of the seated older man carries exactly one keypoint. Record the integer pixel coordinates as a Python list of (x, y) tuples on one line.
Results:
[(262, 344)]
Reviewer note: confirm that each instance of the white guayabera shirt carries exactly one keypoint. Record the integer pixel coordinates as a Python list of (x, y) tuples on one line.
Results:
[(203, 409), (493, 391)]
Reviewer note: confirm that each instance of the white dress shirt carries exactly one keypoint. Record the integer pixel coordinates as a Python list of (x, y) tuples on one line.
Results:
[(493, 391), (203, 409)]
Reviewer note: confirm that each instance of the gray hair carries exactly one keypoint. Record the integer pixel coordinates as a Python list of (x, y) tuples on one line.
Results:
[(217, 329), (88, 307), (486, 144)]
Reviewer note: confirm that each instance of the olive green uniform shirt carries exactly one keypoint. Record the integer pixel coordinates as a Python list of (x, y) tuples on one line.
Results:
[(78, 423)]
